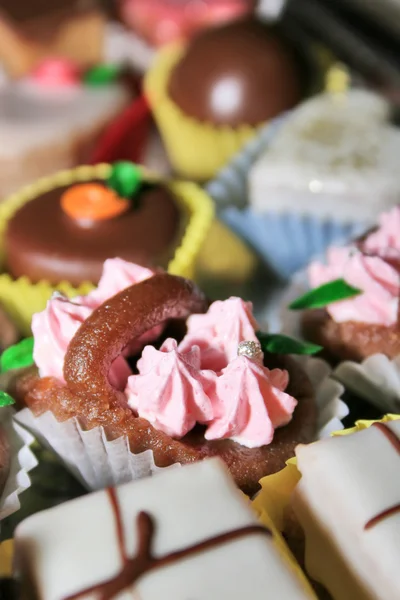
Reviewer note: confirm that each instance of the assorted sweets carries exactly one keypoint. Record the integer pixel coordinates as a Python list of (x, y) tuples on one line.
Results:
[(348, 504), (96, 213), (207, 392), (352, 309), (32, 31), (51, 118), (186, 531), (210, 96)]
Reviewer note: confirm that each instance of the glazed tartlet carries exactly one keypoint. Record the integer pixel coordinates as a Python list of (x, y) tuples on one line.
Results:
[(210, 96), (58, 232), (206, 392)]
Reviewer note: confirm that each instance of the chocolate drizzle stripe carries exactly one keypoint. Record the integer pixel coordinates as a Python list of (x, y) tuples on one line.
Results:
[(144, 561), (112, 495), (389, 434), (383, 515), (395, 442)]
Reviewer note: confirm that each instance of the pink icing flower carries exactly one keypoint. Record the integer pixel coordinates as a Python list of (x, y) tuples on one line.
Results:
[(56, 72), (171, 391), (219, 332), (54, 328), (379, 281), (385, 241), (250, 403)]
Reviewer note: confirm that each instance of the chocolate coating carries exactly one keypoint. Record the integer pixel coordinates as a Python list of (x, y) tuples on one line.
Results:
[(42, 242), (240, 73), (25, 10), (89, 396), (350, 340)]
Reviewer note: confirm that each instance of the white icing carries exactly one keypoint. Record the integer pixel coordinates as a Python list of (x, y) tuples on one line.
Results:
[(333, 149), (73, 546), (346, 481), (32, 116)]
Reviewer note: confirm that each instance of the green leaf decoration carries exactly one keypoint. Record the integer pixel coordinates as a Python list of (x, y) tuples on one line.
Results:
[(101, 75), (276, 343), (18, 356), (5, 399), (330, 292), (125, 179)]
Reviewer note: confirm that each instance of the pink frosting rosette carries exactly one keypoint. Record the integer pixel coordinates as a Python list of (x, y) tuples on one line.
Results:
[(378, 280), (56, 325), (171, 391), (249, 403), (385, 241), (219, 332)]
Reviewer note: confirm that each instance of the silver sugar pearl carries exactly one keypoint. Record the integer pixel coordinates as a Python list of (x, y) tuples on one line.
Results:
[(250, 349)]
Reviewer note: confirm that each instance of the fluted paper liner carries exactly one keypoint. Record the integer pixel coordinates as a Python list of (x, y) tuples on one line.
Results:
[(98, 462), (276, 490), (22, 461), (22, 298), (196, 149), (376, 379)]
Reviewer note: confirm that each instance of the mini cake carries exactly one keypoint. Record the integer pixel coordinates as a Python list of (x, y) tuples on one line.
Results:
[(210, 97), (188, 531), (347, 502), (5, 459), (51, 120), (207, 394), (34, 30), (365, 320), (96, 213)]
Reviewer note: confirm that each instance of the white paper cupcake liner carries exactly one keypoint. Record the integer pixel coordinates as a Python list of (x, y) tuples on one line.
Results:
[(22, 461), (285, 240), (376, 379), (98, 463)]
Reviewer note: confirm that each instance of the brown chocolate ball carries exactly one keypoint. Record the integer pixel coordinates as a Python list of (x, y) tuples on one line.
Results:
[(244, 72)]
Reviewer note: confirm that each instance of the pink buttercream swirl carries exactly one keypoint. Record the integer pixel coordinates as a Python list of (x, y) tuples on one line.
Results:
[(219, 332), (54, 327), (171, 391), (238, 398), (378, 280), (385, 241), (56, 73), (250, 403)]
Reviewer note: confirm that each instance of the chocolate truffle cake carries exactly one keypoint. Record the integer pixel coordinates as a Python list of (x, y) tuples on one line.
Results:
[(244, 72), (42, 241), (214, 394)]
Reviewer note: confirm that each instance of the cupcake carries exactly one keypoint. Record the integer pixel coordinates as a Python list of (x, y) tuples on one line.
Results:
[(52, 118), (210, 96), (320, 176), (355, 299), (188, 531), (122, 390), (59, 231)]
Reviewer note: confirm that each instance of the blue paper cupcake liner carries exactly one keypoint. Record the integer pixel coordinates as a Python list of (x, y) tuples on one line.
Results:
[(285, 241)]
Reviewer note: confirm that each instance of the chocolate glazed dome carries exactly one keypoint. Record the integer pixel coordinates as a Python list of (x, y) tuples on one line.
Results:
[(244, 72)]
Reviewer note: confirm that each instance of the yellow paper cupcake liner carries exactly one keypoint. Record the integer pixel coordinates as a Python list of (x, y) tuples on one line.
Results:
[(6, 557), (197, 150), (276, 490), (21, 298)]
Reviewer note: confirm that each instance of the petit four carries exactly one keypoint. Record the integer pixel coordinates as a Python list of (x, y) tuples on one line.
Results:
[(183, 534), (36, 29), (347, 502), (209, 97), (209, 392)]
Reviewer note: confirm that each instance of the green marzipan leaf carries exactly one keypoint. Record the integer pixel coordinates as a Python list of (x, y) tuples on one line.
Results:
[(18, 356), (101, 75), (125, 179), (330, 292), (283, 344), (5, 399)]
